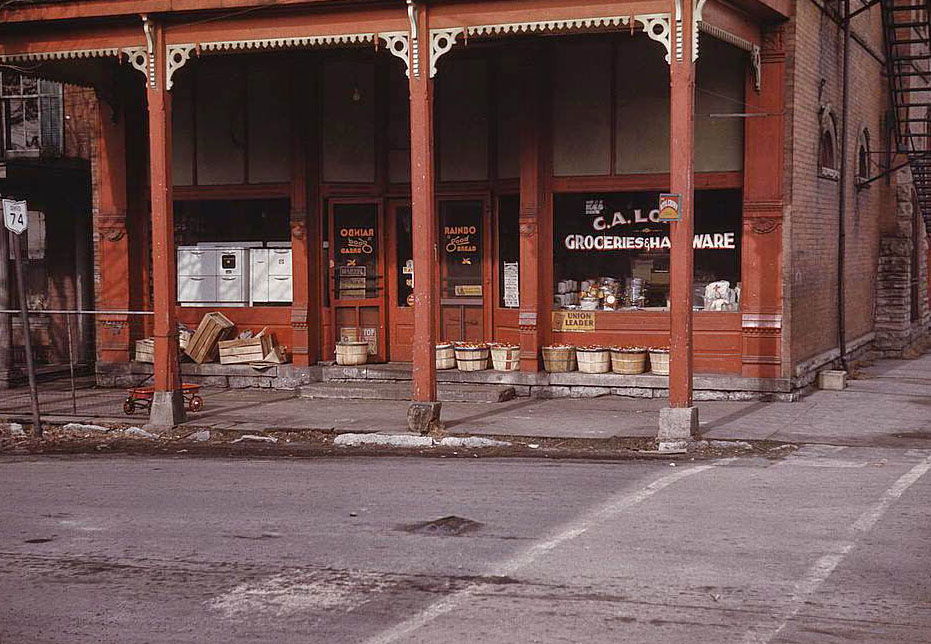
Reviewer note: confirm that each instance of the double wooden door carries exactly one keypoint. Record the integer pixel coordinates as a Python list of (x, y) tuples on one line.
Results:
[(372, 274)]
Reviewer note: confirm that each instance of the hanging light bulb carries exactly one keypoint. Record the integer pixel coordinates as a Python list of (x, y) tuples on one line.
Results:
[(356, 95)]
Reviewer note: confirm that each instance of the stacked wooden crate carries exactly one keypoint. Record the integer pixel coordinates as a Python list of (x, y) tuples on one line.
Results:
[(145, 350), (246, 350), (203, 344)]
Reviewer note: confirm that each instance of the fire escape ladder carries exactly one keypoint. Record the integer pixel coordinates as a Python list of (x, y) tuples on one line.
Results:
[(907, 27)]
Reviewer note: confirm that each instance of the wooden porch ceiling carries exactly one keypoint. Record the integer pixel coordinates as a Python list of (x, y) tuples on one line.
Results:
[(94, 28)]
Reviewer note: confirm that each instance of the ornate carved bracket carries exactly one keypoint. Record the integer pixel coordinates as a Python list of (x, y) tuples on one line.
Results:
[(738, 42), (176, 56), (398, 43), (414, 66), (139, 58), (657, 27), (150, 52), (441, 41)]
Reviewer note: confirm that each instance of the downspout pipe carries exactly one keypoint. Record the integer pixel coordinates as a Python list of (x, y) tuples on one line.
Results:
[(842, 200)]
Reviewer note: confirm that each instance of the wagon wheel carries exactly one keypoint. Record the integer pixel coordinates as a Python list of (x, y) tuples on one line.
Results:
[(196, 403), (129, 407)]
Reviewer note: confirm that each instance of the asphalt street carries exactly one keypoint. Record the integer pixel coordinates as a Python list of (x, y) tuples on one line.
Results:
[(828, 544)]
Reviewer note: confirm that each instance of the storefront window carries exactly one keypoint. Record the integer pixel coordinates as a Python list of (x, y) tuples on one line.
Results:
[(509, 252), (611, 253)]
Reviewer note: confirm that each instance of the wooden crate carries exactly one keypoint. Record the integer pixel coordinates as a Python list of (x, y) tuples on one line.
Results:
[(252, 349), (212, 328), (145, 350)]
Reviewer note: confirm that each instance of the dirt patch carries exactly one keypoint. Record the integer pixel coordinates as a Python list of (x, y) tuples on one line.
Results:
[(301, 443)]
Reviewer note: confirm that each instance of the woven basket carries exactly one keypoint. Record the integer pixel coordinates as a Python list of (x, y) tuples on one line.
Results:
[(559, 359), (472, 358), (593, 360), (505, 357), (445, 356), (628, 363), (659, 363), (352, 353)]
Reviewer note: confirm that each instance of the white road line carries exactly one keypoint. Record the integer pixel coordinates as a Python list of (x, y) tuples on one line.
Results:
[(822, 569), (602, 513)]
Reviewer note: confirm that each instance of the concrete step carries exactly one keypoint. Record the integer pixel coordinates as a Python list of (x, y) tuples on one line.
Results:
[(446, 392)]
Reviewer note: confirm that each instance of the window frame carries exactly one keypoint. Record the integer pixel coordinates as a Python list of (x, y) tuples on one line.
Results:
[(42, 87), (828, 129)]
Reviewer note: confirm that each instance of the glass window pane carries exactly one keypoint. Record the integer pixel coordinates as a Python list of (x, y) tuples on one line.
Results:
[(30, 85), (405, 257), (15, 128), (461, 249), (31, 119), (11, 84), (509, 251), (355, 250)]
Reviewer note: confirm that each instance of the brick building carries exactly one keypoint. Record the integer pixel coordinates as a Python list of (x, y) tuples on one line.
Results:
[(46, 145), (517, 150)]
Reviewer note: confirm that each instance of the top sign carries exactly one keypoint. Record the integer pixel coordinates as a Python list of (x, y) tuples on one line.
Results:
[(15, 216)]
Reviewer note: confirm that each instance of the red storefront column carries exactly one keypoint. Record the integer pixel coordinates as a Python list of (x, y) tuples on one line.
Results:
[(303, 350), (535, 230), (167, 404), (763, 204), (680, 420), (424, 412), (113, 289)]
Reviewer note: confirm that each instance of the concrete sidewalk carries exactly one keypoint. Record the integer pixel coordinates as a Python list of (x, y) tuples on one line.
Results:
[(889, 405)]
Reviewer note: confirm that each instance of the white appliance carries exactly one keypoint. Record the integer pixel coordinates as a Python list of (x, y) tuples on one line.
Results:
[(213, 276), (270, 275)]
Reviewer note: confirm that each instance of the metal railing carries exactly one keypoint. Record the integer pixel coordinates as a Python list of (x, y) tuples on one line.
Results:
[(69, 314)]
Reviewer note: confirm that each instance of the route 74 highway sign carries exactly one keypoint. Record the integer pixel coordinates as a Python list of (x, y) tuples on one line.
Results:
[(15, 216)]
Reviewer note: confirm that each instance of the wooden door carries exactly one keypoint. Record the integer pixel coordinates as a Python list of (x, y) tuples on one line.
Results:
[(400, 283), (464, 283), (357, 274)]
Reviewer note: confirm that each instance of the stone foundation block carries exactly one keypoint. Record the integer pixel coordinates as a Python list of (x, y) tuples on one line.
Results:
[(678, 424), (424, 417)]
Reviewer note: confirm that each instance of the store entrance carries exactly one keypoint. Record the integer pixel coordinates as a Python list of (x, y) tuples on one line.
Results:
[(357, 270), (400, 283), (464, 283)]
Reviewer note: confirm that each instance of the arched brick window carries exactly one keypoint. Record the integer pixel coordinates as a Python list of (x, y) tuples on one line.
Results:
[(827, 146), (863, 156)]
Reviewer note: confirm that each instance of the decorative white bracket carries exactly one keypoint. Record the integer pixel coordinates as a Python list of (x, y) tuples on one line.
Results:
[(657, 28), (139, 58), (756, 66), (696, 20), (398, 43), (441, 41), (176, 56), (150, 53), (414, 55)]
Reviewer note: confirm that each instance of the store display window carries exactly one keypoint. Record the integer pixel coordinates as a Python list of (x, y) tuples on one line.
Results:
[(611, 252)]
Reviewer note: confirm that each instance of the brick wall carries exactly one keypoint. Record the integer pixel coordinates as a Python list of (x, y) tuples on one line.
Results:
[(815, 69), (896, 330)]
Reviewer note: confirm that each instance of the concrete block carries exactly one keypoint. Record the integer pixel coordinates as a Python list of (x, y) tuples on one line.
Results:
[(424, 417), (678, 424), (634, 392), (243, 382), (589, 392), (832, 379)]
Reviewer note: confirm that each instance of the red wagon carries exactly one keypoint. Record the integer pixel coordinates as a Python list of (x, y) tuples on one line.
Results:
[(141, 398)]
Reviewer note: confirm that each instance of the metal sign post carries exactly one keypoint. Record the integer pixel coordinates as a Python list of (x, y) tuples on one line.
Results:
[(16, 219)]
